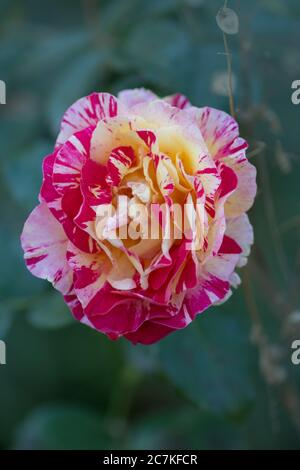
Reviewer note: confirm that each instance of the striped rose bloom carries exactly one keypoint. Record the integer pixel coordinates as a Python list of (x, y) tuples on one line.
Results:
[(116, 159)]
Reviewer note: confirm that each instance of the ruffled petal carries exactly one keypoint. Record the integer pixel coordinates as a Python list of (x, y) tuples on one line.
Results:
[(240, 231), (178, 101), (243, 197), (221, 135), (137, 95), (64, 199), (74, 305), (86, 112), (45, 244), (220, 132)]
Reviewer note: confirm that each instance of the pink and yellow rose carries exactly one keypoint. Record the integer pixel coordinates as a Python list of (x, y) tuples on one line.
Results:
[(121, 165)]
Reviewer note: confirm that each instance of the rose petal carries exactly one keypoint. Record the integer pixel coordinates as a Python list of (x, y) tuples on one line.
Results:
[(138, 95), (178, 101), (86, 112), (45, 244)]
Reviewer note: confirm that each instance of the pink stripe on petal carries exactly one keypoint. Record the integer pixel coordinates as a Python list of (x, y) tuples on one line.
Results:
[(148, 333), (228, 183), (47, 192), (178, 256), (93, 182), (64, 208), (125, 317), (119, 161), (196, 301), (105, 300), (74, 305), (71, 202), (219, 130), (229, 245), (243, 197), (148, 137), (221, 134), (188, 278), (85, 112), (44, 243), (178, 101), (216, 286), (175, 322), (241, 231), (69, 161)]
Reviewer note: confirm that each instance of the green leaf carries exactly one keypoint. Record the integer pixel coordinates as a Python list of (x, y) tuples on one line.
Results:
[(50, 312), (187, 428), (210, 360), (62, 427)]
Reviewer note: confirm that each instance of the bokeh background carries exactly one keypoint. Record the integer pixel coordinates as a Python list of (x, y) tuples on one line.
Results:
[(227, 381)]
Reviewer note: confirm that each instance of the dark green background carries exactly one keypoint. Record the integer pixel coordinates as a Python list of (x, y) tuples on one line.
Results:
[(227, 380)]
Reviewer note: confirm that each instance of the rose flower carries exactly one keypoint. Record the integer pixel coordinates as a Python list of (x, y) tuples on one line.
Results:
[(142, 216)]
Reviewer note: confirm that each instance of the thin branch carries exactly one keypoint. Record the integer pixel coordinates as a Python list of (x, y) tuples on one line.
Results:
[(272, 218), (229, 71)]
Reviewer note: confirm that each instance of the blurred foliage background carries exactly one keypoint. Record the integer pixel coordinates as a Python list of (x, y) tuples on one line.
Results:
[(225, 382)]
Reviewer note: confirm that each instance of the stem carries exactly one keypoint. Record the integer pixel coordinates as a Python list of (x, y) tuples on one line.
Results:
[(229, 71), (272, 218)]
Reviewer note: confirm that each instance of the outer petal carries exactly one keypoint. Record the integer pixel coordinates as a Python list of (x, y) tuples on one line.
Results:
[(149, 333), (220, 132), (137, 95), (88, 269), (44, 243), (157, 328), (178, 100), (241, 231), (221, 135), (74, 305), (234, 250), (86, 112), (243, 197), (128, 315), (69, 161), (65, 207), (211, 289), (95, 192)]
